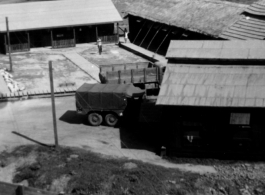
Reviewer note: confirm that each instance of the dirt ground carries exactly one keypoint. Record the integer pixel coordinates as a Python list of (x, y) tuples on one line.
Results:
[(30, 121), (32, 71), (111, 54)]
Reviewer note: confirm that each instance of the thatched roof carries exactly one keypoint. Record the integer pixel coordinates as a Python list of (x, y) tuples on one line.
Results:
[(209, 17)]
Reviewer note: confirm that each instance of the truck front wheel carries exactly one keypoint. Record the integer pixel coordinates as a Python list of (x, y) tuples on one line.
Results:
[(111, 119), (95, 119)]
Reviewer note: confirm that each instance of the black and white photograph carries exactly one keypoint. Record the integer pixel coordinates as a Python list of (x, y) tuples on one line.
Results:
[(132, 97)]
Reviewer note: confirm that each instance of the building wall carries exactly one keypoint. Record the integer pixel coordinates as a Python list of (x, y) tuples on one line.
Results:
[(213, 129), (161, 34), (43, 37)]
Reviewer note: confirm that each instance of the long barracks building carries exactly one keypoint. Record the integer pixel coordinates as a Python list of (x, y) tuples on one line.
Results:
[(57, 23)]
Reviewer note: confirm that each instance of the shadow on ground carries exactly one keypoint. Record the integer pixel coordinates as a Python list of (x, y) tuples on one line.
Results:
[(32, 140), (139, 136), (72, 117)]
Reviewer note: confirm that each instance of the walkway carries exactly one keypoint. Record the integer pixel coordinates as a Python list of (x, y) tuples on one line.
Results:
[(149, 54), (82, 63)]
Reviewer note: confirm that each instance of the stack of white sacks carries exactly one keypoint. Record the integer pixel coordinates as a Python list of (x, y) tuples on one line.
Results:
[(11, 84)]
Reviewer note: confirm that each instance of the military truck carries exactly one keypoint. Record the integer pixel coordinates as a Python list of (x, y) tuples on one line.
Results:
[(105, 102)]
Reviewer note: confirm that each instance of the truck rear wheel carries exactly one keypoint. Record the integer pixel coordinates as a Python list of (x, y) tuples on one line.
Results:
[(95, 119), (111, 119)]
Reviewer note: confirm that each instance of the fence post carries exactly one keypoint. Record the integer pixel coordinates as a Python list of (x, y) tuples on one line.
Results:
[(144, 75), (132, 71), (107, 77), (74, 37), (9, 47), (52, 39), (157, 74), (28, 41), (119, 75)]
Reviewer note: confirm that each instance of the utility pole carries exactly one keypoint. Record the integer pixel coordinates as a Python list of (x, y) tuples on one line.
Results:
[(53, 106), (9, 48)]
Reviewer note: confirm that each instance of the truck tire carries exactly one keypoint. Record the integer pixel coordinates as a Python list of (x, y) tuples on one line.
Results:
[(111, 119), (95, 119)]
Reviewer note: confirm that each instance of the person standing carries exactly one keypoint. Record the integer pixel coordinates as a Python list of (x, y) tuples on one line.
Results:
[(125, 35), (99, 42)]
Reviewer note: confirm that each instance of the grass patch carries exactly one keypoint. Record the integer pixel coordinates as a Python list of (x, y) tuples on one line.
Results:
[(82, 172)]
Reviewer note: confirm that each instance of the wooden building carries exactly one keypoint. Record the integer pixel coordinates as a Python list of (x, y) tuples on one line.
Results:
[(213, 97), (153, 24), (57, 23)]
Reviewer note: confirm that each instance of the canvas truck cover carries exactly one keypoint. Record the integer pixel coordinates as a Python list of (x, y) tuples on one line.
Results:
[(106, 96)]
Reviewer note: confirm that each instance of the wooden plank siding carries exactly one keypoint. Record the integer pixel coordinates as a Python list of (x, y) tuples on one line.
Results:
[(110, 39), (63, 43), (22, 47), (123, 66), (142, 75)]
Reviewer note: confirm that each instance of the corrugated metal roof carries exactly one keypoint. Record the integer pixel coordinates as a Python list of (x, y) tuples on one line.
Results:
[(213, 85), (236, 50), (257, 8), (51, 14), (251, 25)]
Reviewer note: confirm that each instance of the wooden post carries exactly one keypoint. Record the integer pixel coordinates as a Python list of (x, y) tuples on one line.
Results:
[(147, 34), (118, 34), (9, 48), (157, 74), (144, 75), (5, 43), (52, 38), (132, 71), (107, 77), (97, 32), (74, 36), (28, 41), (53, 106), (154, 36), (162, 41), (139, 32), (119, 75)]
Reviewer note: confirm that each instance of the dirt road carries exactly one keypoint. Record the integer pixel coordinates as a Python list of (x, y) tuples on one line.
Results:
[(33, 120)]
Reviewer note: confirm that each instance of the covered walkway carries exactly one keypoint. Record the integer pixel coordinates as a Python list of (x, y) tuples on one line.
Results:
[(82, 63), (143, 52)]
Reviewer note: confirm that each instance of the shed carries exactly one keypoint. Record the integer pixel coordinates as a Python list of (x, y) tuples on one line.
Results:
[(213, 85), (213, 96)]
